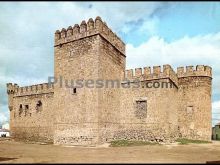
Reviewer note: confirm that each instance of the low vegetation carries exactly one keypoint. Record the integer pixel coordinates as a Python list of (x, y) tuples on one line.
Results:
[(128, 143), (190, 141)]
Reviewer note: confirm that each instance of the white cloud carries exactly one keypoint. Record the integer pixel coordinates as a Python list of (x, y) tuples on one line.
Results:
[(3, 118), (216, 112), (150, 26), (118, 15), (195, 50), (216, 106), (4, 115)]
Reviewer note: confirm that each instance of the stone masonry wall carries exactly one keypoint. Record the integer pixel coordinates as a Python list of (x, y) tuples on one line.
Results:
[(31, 113), (195, 102), (158, 121), (111, 67), (76, 114)]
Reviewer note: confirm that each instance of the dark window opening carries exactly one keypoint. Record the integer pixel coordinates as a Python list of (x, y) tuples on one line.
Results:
[(39, 106), (26, 110), (20, 110), (74, 90)]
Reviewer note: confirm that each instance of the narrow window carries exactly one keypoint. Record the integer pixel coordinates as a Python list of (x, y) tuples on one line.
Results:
[(39, 106), (189, 112), (26, 110), (74, 90), (20, 110)]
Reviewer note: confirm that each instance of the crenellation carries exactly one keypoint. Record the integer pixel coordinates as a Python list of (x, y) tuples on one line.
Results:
[(170, 73), (200, 70), (69, 31), (146, 74), (98, 23), (9, 85), (16, 87), (29, 88), (90, 24), (180, 71), (167, 69), (63, 33), (156, 70), (89, 29), (26, 89), (33, 89), (111, 36), (105, 29), (45, 86), (147, 71), (57, 35), (83, 27), (189, 70), (21, 90), (39, 87), (208, 71), (138, 72), (76, 30), (129, 74), (11, 88)]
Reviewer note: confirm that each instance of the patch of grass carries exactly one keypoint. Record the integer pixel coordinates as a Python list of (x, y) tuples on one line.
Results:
[(190, 141), (128, 143)]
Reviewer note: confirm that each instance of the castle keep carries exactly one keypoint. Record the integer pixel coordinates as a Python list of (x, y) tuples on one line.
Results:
[(92, 116)]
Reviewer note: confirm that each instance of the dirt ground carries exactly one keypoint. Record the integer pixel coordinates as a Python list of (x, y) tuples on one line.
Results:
[(19, 152)]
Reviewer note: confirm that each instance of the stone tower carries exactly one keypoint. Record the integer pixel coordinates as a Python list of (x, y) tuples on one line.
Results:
[(93, 52), (195, 112), (11, 91)]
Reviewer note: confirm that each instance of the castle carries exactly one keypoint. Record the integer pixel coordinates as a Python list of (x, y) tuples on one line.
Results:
[(91, 116)]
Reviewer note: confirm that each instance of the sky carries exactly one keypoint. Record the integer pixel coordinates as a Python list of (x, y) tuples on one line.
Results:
[(155, 33)]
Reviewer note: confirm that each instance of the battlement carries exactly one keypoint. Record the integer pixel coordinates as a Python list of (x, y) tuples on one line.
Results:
[(29, 90), (200, 70), (89, 29), (147, 73)]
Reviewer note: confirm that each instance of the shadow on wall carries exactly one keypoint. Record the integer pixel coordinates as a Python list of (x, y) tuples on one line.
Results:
[(213, 162), (6, 159)]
